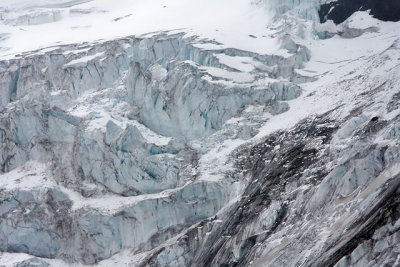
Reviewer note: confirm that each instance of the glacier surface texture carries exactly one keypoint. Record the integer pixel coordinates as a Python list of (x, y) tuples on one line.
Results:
[(199, 133)]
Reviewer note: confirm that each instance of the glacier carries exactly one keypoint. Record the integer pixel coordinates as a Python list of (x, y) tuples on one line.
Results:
[(271, 139)]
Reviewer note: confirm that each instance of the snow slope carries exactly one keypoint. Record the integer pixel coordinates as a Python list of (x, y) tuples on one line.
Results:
[(232, 23), (197, 133)]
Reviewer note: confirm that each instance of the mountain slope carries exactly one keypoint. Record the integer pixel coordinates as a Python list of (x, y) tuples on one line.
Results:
[(257, 137)]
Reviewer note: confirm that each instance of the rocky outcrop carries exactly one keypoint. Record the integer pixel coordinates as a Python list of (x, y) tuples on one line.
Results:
[(340, 10)]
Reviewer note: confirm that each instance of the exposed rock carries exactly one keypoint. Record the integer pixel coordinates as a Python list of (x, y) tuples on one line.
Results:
[(340, 10)]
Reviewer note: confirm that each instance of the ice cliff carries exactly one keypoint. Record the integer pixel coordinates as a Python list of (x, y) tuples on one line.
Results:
[(275, 143), (304, 9)]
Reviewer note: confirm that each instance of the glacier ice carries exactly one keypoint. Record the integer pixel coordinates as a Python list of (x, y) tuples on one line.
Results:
[(170, 149), (307, 9), (119, 119)]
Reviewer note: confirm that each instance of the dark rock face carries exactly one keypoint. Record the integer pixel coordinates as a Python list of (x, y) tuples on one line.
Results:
[(339, 11), (292, 158)]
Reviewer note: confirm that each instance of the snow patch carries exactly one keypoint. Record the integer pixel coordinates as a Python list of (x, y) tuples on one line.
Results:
[(30, 176), (83, 60)]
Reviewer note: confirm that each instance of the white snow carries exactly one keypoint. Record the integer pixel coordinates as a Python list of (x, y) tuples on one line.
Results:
[(341, 63), (111, 204), (38, 176), (83, 60), (214, 164), (24, 4), (158, 73), (77, 51), (362, 20), (32, 175), (11, 259), (101, 112), (151, 136), (233, 23), (238, 63), (239, 77), (244, 64)]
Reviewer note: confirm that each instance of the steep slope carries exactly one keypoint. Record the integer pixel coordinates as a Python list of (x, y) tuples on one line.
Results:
[(225, 143)]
